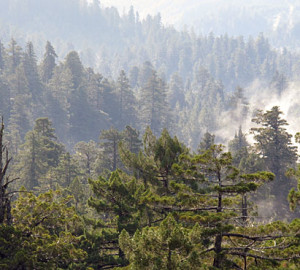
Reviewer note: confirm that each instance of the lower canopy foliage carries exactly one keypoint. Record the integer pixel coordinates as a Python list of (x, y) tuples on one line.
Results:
[(44, 235), (168, 209), (191, 213)]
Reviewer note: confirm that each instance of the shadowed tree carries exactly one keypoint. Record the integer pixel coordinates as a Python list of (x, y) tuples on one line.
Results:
[(48, 63)]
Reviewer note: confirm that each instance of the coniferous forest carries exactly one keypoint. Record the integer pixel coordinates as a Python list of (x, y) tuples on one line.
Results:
[(145, 148)]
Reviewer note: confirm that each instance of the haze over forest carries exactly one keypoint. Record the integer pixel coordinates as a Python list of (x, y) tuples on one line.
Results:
[(140, 135)]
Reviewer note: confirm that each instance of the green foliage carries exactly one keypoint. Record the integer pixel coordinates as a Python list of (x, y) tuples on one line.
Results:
[(5, 198), (127, 104), (207, 141), (273, 144), (294, 195), (12, 254), (86, 155), (168, 246), (65, 172), (153, 104), (117, 201), (109, 141), (176, 210), (273, 141), (204, 189), (44, 234), (38, 154), (48, 64), (180, 210)]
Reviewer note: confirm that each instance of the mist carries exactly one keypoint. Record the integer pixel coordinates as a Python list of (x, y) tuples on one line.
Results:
[(260, 97)]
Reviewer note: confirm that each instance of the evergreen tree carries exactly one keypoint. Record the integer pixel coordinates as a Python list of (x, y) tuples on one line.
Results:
[(14, 56), (145, 73), (65, 172), (48, 63), (273, 144), (117, 201), (31, 71), (167, 246), (2, 58), (176, 92), (153, 105), (239, 105), (5, 198), (294, 194), (73, 63), (238, 147), (155, 164), (279, 83), (133, 76), (109, 141), (94, 89), (109, 101), (131, 139), (205, 190), (208, 140), (86, 155), (84, 123), (38, 154), (5, 95), (127, 102), (47, 230)]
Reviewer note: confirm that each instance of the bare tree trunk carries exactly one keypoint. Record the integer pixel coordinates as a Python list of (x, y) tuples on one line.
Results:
[(5, 207)]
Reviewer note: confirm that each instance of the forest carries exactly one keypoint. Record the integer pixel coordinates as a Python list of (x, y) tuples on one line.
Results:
[(167, 150)]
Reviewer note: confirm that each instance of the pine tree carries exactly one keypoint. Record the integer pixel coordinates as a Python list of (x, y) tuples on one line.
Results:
[(48, 63), (208, 140), (273, 144), (84, 123), (279, 83), (94, 89), (31, 71), (5, 197), (14, 56), (2, 58), (49, 230), (294, 194), (153, 105), (176, 92), (86, 155), (145, 74), (5, 97), (203, 189), (238, 104), (65, 172), (131, 140), (238, 147), (38, 154), (154, 165), (167, 246), (73, 62), (116, 200), (109, 141), (127, 102)]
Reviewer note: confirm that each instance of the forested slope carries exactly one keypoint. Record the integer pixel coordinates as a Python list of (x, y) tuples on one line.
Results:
[(110, 156)]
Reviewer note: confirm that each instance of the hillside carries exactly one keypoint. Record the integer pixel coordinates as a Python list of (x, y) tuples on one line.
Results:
[(278, 20), (130, 143)]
